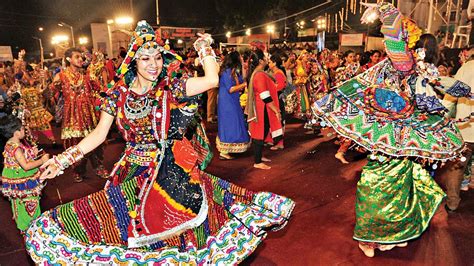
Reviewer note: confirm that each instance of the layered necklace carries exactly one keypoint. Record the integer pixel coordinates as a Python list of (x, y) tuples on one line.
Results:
[(138, 106)]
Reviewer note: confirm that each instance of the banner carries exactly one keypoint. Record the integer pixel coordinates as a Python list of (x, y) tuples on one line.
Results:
[(6, 53), (264, 38), (179, 33), (356, 39)]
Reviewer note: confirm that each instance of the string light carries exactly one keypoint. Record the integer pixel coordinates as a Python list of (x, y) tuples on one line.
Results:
[(278, 20), (271, 29)]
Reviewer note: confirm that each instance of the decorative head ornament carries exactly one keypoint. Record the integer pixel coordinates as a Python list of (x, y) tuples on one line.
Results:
[(143, 41)]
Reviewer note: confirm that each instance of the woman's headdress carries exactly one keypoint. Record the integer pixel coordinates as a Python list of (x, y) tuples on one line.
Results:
[(144, 37)]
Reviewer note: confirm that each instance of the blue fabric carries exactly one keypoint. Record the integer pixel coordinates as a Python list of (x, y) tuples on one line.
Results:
[(389, 100), (429, 104), (459, 89), (230, 117)]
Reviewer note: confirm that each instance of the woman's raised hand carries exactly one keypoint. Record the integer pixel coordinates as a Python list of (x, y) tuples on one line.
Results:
[(370, 14), (204, 40)]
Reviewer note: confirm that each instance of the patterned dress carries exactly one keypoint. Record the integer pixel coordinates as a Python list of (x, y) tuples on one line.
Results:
[(390, 111), (21, 187), (39, 118), (79, 117), (158, 207)]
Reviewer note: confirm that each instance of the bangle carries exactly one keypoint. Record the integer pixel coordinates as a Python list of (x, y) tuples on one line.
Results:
[(206, 51), (69, 157)]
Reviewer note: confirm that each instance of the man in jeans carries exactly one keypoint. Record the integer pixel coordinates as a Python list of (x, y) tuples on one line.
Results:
[(463, 107)]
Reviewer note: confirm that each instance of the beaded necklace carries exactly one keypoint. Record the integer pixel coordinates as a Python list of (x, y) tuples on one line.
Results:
[(76, 79)]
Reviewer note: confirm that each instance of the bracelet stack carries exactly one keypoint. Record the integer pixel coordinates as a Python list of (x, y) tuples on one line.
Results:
[(206, 51), (67, 158)]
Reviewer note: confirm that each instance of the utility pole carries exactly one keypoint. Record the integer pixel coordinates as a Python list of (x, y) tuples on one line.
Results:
[(157, 14)]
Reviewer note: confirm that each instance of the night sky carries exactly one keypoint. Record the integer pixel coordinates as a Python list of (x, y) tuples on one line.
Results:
[(20, 19)]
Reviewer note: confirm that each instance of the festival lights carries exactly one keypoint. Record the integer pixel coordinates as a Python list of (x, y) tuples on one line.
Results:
[(83, 40), (59, 39), (228, 34), (248, 32), (271, 29), (123, 20), (321, 23)]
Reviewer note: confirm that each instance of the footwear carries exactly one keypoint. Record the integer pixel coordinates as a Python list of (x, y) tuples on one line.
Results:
[(102, 173), (78, 179), (368, 251), (266, 160), (275, 148), (261, 166)]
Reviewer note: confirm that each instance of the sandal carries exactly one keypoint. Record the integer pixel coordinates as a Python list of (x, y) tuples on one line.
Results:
[(102, 173)]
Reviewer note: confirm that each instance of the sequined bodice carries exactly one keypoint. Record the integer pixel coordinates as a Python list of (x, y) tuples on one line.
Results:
[(139, 116), (9, 155)]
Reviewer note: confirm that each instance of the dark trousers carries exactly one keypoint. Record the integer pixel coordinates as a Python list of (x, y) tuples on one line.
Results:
[(258, 144), (454, 174)]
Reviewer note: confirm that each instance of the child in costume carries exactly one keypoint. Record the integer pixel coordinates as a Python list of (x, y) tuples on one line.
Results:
[(20, 175)]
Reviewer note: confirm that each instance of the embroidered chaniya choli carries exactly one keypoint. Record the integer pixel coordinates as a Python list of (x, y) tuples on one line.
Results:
[(158, 207), (21, 187), (392, 111)]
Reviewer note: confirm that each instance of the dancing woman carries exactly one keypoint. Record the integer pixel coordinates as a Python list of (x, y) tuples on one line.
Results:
[(157, 207), (391, 110)]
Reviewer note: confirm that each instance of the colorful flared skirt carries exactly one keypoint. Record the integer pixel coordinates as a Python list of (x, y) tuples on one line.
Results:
[(386, 120), (395, 201), (235, 224)]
